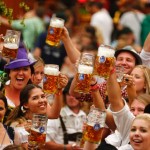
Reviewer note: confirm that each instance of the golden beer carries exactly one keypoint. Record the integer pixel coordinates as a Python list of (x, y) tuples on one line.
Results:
[(36, 139), (83, 79), (10, 50), (104, 61), (94, 125), (93, 135), (54, 31), (50, 83)]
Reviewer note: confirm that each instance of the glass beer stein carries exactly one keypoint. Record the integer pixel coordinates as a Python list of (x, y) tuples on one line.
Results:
[(104, 60), (50, 81), (11, 44), (37, 136), (54, 31), (84, 75), (94, 125)]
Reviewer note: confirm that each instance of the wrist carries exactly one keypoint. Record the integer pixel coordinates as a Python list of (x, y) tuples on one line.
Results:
[(59, 92), (94, 84), (112, 71), (65, 148)]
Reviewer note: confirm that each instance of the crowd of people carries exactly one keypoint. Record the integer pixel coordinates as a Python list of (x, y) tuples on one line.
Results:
[(126, 103)]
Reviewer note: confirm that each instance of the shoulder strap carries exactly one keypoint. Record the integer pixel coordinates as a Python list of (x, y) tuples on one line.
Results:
[(64, 130), (10, 132)]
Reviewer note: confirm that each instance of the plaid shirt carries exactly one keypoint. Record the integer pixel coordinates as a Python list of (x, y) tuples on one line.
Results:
[(103, 93)]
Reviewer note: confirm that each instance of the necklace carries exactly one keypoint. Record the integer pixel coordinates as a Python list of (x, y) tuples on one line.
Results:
[(3, 139)]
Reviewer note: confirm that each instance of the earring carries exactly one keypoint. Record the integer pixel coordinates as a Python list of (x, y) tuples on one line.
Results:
[(23, 109)]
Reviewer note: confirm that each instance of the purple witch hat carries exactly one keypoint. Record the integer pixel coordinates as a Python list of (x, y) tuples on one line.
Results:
[(21, 60)]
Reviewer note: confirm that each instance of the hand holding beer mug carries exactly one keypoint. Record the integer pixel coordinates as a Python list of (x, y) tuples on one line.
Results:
[(11, 44), (95, 125), (37, 135), (50, 81), (104, 61), (84, 75), (54, 31)]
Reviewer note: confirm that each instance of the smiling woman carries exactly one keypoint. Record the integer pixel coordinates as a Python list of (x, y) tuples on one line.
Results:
[(140, 132), (32, 101), (19, 71)]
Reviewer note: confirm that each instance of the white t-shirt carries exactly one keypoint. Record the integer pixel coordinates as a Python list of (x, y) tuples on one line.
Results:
[(103, 22), (123, 120)]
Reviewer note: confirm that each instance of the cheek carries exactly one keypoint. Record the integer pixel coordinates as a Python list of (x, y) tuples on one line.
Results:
[(28, 75), (2, 114)]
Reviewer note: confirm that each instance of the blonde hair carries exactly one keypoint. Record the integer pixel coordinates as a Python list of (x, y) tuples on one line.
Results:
[(144, 98), (39, 62), (144, 116), (146, 72)]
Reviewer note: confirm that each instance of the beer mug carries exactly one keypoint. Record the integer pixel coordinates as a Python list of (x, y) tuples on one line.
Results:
[(104, 60), (119, 73), (95, 125), (11, 44), (37, 136), (84, 75), (54, 31), (50, 81)]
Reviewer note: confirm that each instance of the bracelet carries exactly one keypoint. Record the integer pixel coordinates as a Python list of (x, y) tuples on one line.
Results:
[(95, 87), (94, 84), (112, 71)]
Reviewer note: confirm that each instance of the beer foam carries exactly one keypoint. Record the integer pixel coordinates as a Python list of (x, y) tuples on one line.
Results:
[(51, 71), (11, 45), (107, 52), (84, 69), (57, 23)]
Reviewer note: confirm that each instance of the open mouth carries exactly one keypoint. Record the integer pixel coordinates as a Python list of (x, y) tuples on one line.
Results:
[(137, 141), (20, 79), (42, 106)]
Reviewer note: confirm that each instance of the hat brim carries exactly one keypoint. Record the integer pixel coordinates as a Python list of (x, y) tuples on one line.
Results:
[(137, 57), (18, 64)]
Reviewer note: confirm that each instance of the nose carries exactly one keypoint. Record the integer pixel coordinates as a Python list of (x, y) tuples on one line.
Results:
[(20, 71), (137, 132), (136, 112), (39, 77), (123, 61)]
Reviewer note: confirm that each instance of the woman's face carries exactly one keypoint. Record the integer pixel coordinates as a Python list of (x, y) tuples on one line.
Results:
[(140, 135), (38, 74), (139, 79), (19, 77), (137, 107), (37, 102), (2, 110), (126, 60)]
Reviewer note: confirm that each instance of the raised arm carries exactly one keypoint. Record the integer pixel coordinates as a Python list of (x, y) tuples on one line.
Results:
[(145, 53), (146, 46), (71, 50), (114, 93), (99, 103), (53, 111)]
